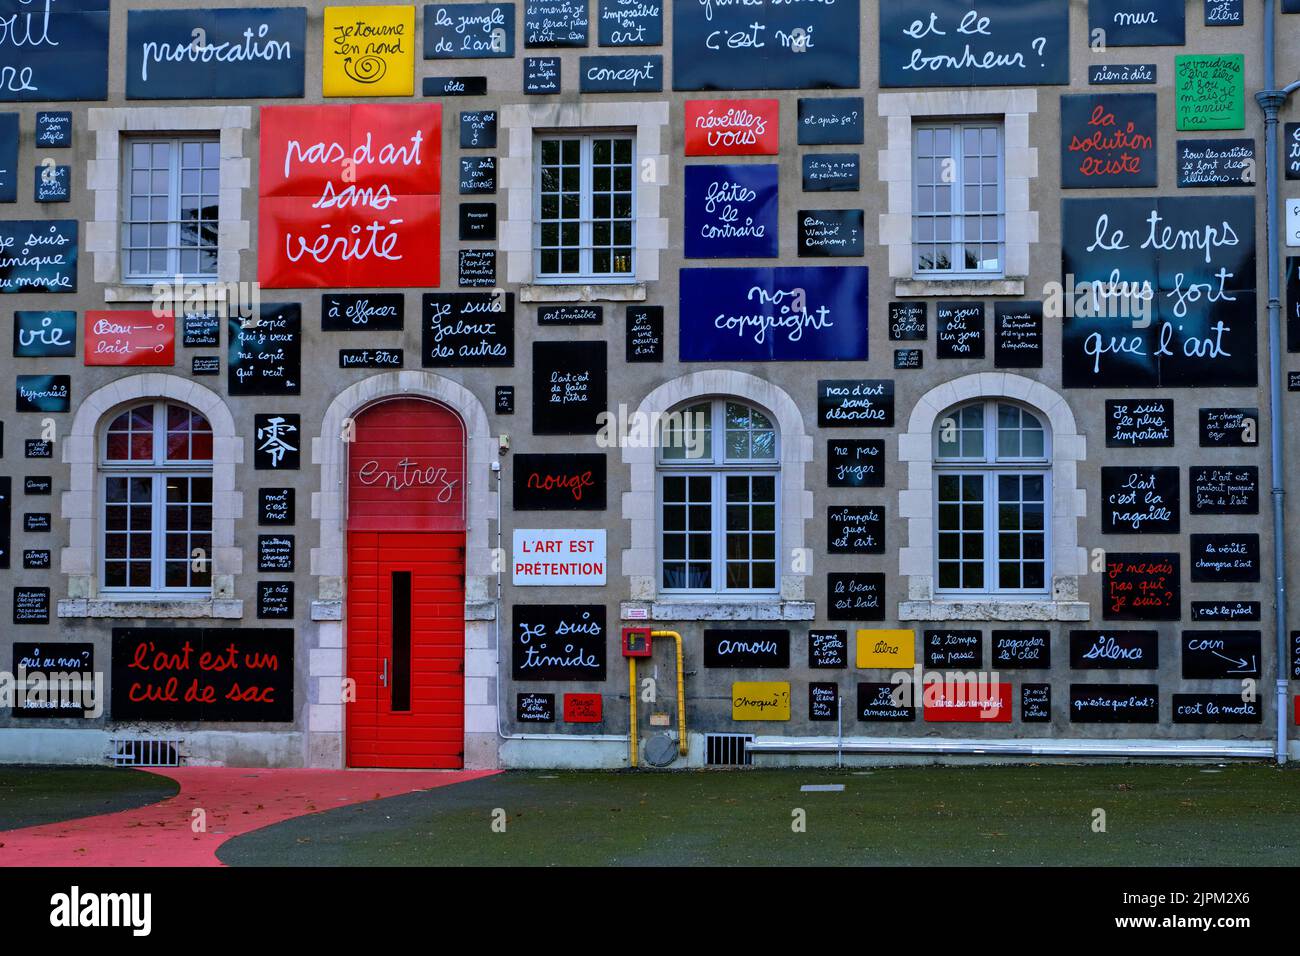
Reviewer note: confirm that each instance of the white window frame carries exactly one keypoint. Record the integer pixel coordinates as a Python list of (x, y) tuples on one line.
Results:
[(157, 470), (718, 468), (172, 271), (957, 212), (989, 467), (585, 275)]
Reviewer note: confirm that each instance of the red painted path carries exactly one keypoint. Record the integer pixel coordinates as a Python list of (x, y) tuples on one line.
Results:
[(236, 802)]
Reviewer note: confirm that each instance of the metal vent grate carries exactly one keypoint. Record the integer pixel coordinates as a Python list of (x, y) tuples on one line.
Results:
[(145, 751), (727, 750)]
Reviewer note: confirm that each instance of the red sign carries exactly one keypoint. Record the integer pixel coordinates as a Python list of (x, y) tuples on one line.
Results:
[(962, 702), (406, 468), (134, 337), (733, 127), (582, 708), (349, 196)]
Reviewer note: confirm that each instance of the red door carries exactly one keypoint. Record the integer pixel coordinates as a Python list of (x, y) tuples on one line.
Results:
[(406, 587)]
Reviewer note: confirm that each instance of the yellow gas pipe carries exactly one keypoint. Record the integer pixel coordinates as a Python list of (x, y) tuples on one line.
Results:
[(681, 699)]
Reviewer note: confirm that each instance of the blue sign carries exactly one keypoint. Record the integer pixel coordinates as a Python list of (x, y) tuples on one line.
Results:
[(54, 128), (8, 157), (53, 183), (621, 74), (460, 31), (44, 393), (731, 212), (630, 22), (240, 53), (788, 314), (833, 121), (38, 256), (53, 50), (765, 45), (831, 172), (990, 43)]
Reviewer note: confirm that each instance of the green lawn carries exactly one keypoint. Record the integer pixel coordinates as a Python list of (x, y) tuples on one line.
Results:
[(1023, 815), (34, 795)]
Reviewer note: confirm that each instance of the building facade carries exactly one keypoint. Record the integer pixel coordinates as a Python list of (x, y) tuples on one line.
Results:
[(905, 372)]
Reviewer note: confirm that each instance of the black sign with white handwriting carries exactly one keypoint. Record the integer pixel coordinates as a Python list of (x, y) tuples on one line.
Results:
[(535, 708), (371, 358), (1209, 655), (909, 321), (855, 463), (1225, 13), (53, 51), (455, 85), (200, 330), (31, 606), (274, 600), (621, 74), (555, 23), (855, 597), (570, 315), (8, 157), (478, 221), (855, 529), (36, 559), (959, 330), (953, 648), (38, 448), (275, 506), (45, 334), (37, 522), (478, 129), (1114, 650), (1140, 500), (1138, 22), (833, 121), (1291, 150), (905, 359), (38, 485), (1142, 587), (951, 43), (43, 393), (746, 647), (823, 700), (765, 45), (265, 354), (1114, 703), (1018, 334), (830, 172), (1225, 557), (468, 31), (557, 642), (828, 649), (476, 268), (645, 333), (1140, 423), (505, 400), (53, 129), (1022, 650), (570, 387), (277, 441), (630, 22), (52, 665), (880, 701), (37, 255), (855, 403), (468, 330), (1216, 162), (275, 552), (478, 175), (1223, 490), (1121, 74), (52, 184), (541, 75), (1216, 709), (1229, 427), (831, 232), (1219, 612), (362, 311), (255, 53), (1035, 703)]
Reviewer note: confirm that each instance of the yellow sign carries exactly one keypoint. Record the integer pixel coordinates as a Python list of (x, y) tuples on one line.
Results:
[(760, 700), (888, 649), (369, 51)]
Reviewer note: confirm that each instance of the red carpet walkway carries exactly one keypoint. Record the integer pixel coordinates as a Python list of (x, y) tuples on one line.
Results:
[(235, 800)]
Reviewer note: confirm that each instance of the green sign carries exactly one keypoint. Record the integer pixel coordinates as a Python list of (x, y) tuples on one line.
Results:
[(1210, 91)]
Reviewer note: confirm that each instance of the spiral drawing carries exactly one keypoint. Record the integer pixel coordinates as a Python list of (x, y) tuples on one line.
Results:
[(368, 69)]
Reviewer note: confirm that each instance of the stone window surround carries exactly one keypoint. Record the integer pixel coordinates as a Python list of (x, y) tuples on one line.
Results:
[(79, 505), (104, 180), (1020, 162), (916, 506), (515, 230), (640, 560), (327, 658)]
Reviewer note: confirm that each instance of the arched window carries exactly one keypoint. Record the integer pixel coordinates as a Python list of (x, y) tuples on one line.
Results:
[(718, 467), (992, 461), (155, 461)]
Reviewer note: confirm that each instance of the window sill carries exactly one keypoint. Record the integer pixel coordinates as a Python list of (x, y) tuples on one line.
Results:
[(129, 292), (164, 609), (583, 292), (756, 610), (993, 610), (958, 286)]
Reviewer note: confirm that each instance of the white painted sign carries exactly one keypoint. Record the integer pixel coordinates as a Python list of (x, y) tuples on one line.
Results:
[(1292, 222), (566, 557)]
